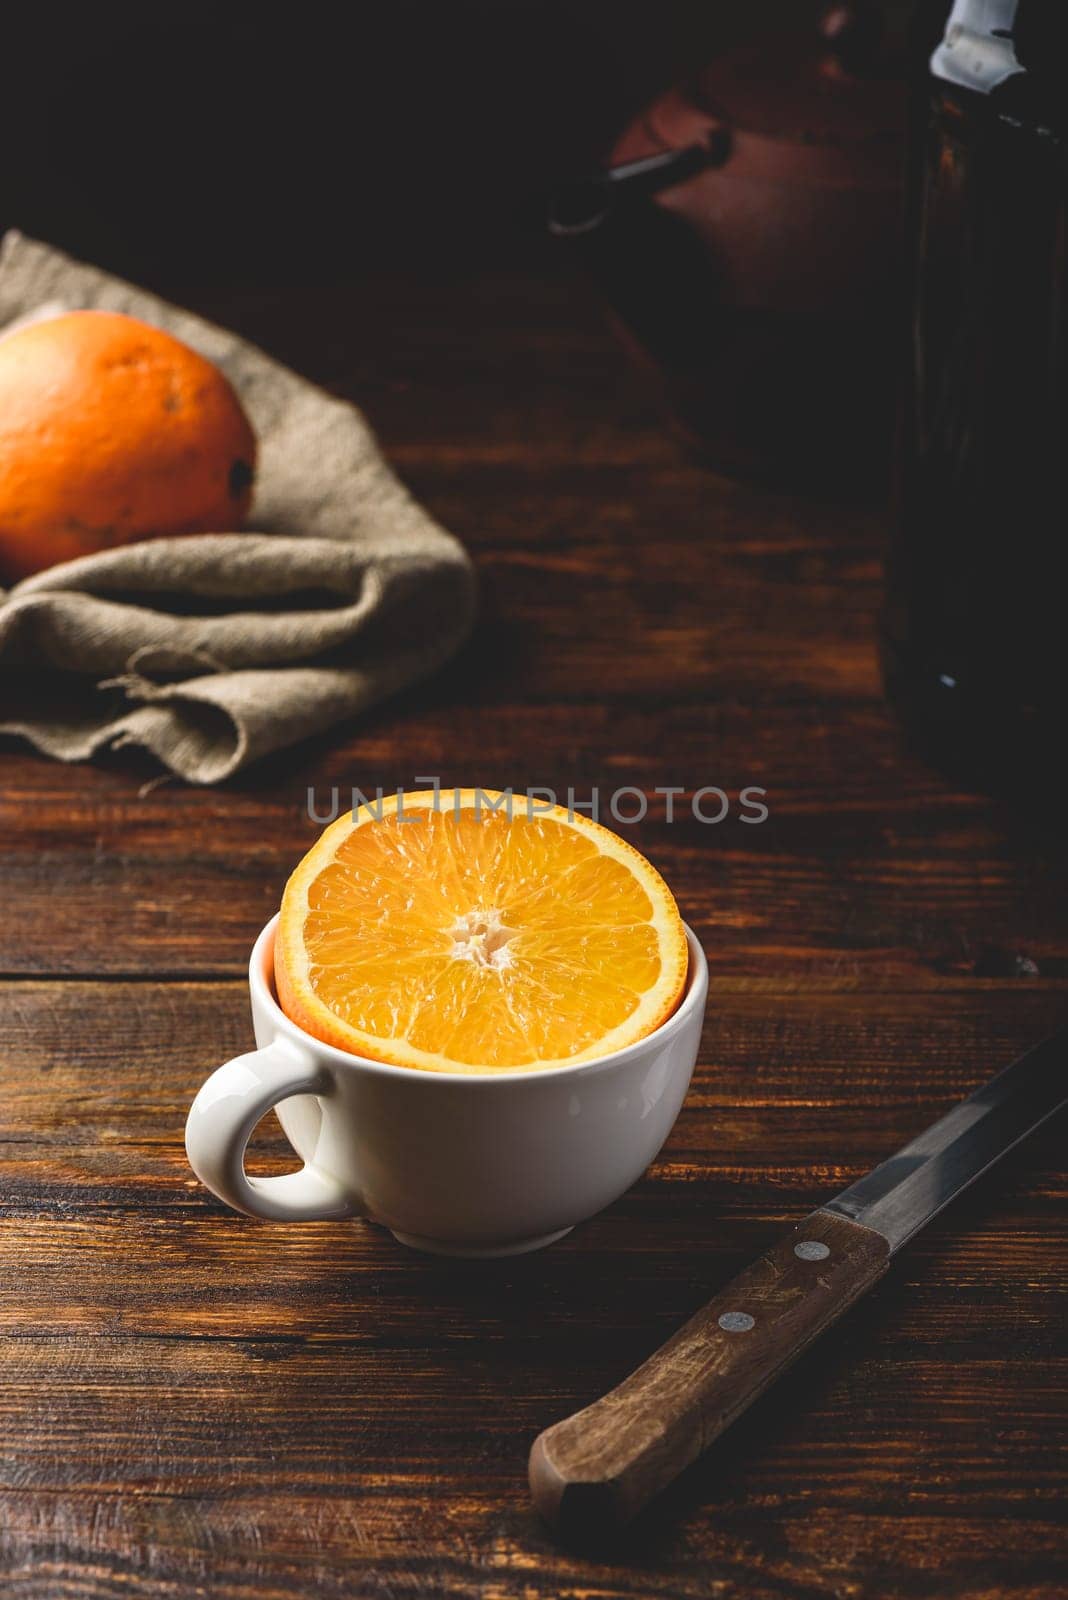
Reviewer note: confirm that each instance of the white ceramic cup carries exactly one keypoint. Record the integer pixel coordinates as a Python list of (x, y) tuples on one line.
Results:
[(463, 1164)]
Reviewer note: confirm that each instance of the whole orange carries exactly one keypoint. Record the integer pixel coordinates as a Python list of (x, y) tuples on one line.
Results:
[(111, 431)]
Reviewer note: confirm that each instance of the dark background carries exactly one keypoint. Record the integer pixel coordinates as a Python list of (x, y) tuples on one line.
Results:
[(245, 143)]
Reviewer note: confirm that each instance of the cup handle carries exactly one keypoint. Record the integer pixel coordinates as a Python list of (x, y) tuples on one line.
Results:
[(220, 1123)]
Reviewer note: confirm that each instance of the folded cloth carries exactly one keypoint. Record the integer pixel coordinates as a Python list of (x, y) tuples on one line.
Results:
[(214, 649)]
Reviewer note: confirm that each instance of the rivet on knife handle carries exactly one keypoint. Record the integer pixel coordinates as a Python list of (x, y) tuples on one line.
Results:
[(595, 1470)]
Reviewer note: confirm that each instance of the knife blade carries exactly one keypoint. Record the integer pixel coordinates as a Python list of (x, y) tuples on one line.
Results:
[(592, 1472)]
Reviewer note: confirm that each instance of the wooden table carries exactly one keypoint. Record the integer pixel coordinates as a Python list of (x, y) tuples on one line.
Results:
[(193, 1403)]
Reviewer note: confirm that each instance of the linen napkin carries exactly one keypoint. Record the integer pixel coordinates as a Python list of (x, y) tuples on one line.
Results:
[(212, 650)]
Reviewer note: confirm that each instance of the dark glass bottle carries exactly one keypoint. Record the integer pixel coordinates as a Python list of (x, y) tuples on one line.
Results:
[(975, 626)]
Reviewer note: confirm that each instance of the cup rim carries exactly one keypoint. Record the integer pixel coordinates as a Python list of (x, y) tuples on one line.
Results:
[(261, 986)]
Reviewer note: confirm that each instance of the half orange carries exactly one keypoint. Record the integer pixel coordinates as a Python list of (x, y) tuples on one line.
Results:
[(440, 932)]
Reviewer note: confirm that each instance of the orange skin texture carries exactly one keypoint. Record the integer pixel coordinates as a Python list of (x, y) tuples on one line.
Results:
[(112, 431)]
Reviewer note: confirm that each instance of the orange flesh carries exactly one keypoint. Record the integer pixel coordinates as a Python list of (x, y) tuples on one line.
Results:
[(463, 941)]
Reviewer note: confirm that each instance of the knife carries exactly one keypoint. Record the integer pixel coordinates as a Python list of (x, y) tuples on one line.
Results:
[(591, 1473)]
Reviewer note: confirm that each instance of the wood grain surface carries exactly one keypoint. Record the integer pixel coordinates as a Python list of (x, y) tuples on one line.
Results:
[(193, 1403)]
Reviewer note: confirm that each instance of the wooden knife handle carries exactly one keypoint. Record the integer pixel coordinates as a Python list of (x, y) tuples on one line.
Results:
[(592, 1472)]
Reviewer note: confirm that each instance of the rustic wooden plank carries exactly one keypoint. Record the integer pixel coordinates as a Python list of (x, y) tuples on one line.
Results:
[(794, 1095), (850, 873), (166, 1261), (778, 1071), (236, 1419), (608, 606), (339, 1546)]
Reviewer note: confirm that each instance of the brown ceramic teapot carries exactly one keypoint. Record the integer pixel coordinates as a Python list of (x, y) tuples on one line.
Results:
[(745, 228)]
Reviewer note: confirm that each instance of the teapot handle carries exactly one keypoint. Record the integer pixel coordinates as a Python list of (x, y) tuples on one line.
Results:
[(581, 205)]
